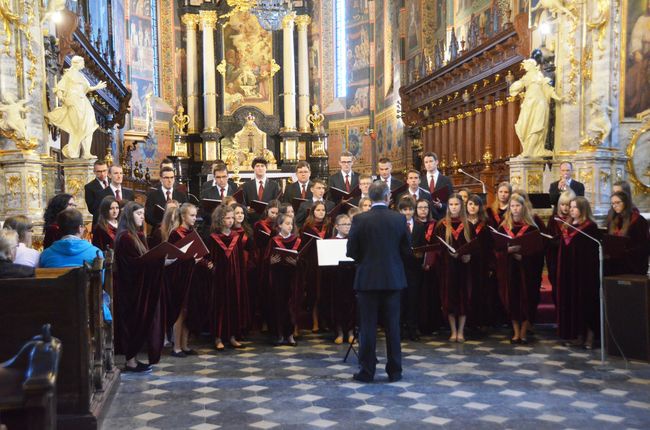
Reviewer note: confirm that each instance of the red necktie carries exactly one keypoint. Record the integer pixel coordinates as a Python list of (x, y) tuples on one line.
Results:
[(432, 184), (118, 197), (303, 194), (169, 196), (410, 226), (104, 184), (347, 183), (223, 192), (260, 191), (415, 196)]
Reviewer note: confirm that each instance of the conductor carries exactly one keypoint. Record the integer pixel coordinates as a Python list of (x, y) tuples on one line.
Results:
[(378, 241)]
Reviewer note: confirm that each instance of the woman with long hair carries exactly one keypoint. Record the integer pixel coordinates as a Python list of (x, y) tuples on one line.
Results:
[(25, 254), (106, 228), (499, 207), (455, 287), (57, 204), (624, 221), (554, 228)]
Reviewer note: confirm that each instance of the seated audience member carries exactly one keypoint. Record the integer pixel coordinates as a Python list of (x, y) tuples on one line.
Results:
[(9, 269), (71, 250), (50, 227), (25, 254)]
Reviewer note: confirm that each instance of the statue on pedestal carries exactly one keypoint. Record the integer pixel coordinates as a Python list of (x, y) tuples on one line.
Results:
[(76, 116), (12, 120), (532, 124)]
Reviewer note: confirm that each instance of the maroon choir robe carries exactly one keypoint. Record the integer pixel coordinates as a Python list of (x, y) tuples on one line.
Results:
[(283, 283), (309, 293), (484, 291), (104, 238), (227, 313), (635, 259), (553, 228), (518, 280), (246, 249), (496, 218), (578, 282), (52, 234), (429, 313), (259, 272), (337, 296), (178, 279), (455, 279), (139, 300)]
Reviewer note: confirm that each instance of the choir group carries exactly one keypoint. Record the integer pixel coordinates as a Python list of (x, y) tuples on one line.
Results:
[(244, 259)]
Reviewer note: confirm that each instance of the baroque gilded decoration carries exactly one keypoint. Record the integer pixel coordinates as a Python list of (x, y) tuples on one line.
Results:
[(637, 154)]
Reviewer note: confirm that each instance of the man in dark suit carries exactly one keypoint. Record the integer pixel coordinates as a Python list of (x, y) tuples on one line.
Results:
[(345, 179), (364, 185), (318, 193), (436, 181), (565, 182), (301, 189), (115, 189), (385, 168), (93, 190), (414, 190), (162, 195), (260, 187), (219, 187), (378, 241)]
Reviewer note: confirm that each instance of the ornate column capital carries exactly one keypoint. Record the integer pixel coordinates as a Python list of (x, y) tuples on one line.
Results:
[(302, 22), (190, 20), (208, 18), (288, 20)]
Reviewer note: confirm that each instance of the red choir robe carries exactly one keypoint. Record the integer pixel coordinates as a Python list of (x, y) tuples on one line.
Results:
[(139, 300), (52, 234), (484, 296), (578, 282), (178, 280), (155, 238), (429, 313), (496, 218), (283, 283), (310, 288), (337, 297), (519, 281), (247, 248), (635, 258), (104, 238), (553, 228), (259, 272), (455, 279), (227, 314)]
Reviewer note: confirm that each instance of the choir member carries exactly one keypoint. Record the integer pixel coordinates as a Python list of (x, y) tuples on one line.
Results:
[(622, 220), (106, 227), (365, 204), (227, 315), (454, 269), (345, 179), (624, 186), (178, 279), (220, 188), (241, 223), (578, 278), (497, 211), (283, 280), (243, 228), (517, 273), (94, 190), (464, 193), (170, 221), (423, 211), (115, 188), (162, 195), (430, 307), (353, 211), (57, 204), (341, 288), (260, 187), (435, 182), (412, 268), (484, 294), (414, 190), (25, 254), (139, 300), (317, 224), (364, 184), (301, 189), (385, 168), (554, 228), (318, 193)]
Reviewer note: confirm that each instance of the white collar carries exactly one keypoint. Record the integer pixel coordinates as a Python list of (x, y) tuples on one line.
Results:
[(113, 187), (218, 187), (416, 192), (257, 181), (434, 174), (349, 174), (164, 191), (284, 237)]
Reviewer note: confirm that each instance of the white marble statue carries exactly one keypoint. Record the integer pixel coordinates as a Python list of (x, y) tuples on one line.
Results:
[(148, 102), (532, 124), (600, 124), (555, 7), (76, 116), (12, 119)]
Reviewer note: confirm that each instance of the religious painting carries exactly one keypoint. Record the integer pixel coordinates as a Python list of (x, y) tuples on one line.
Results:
[(357, 10), (358, 55), (636, 57), (414, 35), (379, 55), (139, 90), (464, 8), (141, 55), (354, 141), (358, 100), (248, 53), (119, 35)]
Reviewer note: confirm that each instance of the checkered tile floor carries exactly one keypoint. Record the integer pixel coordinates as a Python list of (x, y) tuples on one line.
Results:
[(486, 383)]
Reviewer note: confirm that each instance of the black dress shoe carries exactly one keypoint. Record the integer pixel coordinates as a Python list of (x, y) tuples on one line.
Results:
[(362, 377), (190, 352), (179, 354), (139, 368), (395, 377)]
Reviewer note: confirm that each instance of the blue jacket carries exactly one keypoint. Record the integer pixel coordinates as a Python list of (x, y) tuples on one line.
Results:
[(69, 253)]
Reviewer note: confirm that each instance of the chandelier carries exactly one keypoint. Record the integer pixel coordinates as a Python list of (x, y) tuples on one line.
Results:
[(270, 13)]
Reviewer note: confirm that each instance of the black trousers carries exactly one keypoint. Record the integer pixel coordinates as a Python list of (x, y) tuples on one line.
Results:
[(373, 305)]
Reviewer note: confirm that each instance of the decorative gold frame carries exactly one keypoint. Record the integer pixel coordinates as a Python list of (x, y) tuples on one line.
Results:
[(631, 147)]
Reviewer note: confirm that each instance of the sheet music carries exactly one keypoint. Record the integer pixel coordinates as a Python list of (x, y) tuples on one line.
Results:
[(451, 248), (332, 251), (186, 247), (498, 232), (314, 236)]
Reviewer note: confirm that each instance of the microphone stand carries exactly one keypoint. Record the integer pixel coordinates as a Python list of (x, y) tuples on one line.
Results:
[(473, 177), (600, 290)]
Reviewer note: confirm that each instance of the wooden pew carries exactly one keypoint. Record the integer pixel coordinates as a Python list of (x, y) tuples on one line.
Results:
[(71, 300)]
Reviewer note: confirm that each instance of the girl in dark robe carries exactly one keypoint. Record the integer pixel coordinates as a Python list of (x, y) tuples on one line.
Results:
[(430, 308), (106, 227), (228, 286), (317, 224), (423, 212), (283, 280), (242, 227), (50, 227), (517, 273), (139, 299), (554, 228), (623, 220), (496, 212), (578, 278), (455, 285), (481, 266), (178, 280), (170, 221), (341, 293)]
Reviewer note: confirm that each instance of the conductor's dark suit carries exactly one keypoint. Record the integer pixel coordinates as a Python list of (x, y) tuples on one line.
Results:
[(378, 241), (554, 190), (443, 181), (271, 190), (337, 180), (293, 190), (156, 197)]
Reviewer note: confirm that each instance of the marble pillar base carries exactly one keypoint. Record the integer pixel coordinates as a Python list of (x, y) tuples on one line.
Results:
[(22, 185), (527, 174), (77, 173)]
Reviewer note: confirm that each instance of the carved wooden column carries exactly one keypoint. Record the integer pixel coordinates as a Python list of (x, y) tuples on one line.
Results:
[(437, 138), (479, 135)]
